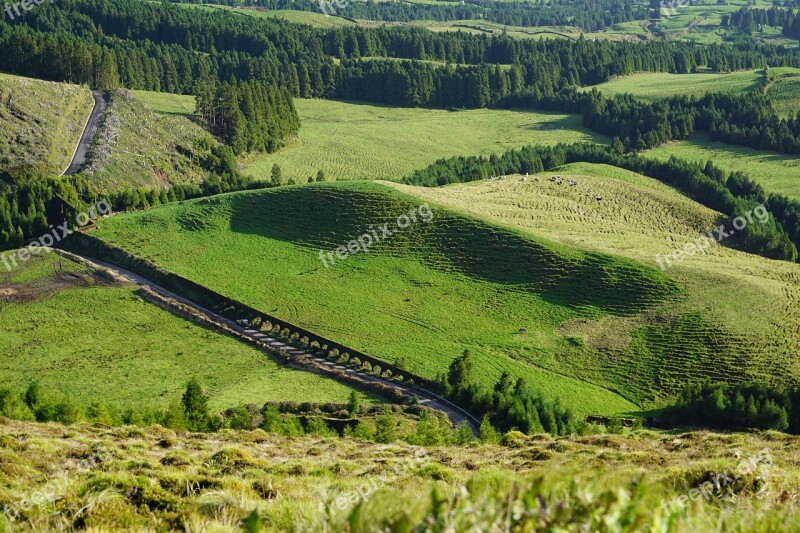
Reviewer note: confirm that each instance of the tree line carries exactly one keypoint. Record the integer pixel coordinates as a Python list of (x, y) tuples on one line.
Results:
[(510, 404), (731, 194), (168, 48), (748, 20), (735, 407)]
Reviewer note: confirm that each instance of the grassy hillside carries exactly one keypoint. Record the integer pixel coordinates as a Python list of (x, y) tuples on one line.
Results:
[(41, 127), (361, 141), (727, 308), (104, 342), (103, 478), (549, 312), (136, 146), (775, 172)]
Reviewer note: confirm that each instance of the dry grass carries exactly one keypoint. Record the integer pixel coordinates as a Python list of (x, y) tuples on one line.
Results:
[(152, 478)]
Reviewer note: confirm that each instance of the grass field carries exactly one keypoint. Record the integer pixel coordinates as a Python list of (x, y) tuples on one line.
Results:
[(784, 91), (775, 172), (351, 141), (137, 145), (107, 343), (738, 295), (43, 125), (166, 103), (152, 479), (654, 86)]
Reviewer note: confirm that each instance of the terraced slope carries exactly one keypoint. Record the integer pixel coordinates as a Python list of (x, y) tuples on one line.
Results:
[(40, 123), (93, 341), (736, 316), (557, 315)]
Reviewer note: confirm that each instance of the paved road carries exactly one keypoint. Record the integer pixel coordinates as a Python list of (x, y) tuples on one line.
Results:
[(87, 137), (425, 398)]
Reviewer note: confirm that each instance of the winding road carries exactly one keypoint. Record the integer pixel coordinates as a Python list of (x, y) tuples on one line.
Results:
[(89, 132), (260, 339)]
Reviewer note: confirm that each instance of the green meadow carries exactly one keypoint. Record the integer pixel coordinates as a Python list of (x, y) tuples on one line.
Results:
[(775, 172), (729, 299), (418, 299), (353, 141), (654, 86)]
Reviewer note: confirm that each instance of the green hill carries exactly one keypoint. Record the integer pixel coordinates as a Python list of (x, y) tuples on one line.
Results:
[(567, 319), (723, 317)]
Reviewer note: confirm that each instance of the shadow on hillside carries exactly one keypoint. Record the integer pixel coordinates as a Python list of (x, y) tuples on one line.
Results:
[(325, 217)]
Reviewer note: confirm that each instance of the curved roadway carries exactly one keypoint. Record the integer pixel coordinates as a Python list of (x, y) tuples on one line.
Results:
[(89, 131)]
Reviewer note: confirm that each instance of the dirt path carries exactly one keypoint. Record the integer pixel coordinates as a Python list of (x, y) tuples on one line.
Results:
[(258, 338), (89, 131)]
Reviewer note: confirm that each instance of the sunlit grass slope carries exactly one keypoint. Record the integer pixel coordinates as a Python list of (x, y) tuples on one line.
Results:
[(736, 318), (40, 123), (518, 301), (350, 141)]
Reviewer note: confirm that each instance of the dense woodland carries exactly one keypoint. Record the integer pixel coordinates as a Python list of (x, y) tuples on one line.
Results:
[(249, 116), (731, 194), (749, 19), (171, 48), (740, 407)]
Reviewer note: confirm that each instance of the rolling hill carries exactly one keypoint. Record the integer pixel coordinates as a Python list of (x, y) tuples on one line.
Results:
[(578, 318), (735, 297)]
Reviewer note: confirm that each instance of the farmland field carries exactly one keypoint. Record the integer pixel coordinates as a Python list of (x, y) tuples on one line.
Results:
[(351, 141), (107, 343), (653, 86), (775, 172)]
